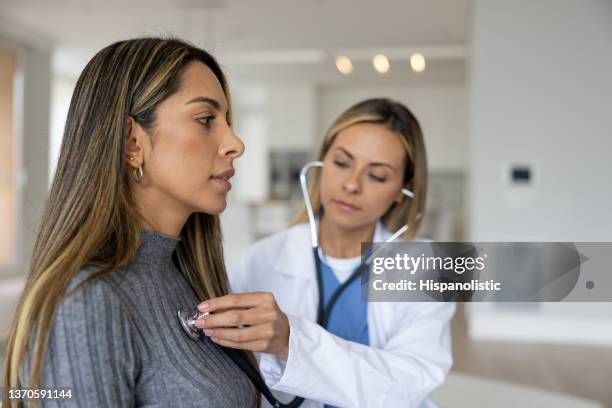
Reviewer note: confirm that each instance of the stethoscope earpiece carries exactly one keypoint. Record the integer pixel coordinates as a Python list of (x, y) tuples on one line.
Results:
[(407, 193)]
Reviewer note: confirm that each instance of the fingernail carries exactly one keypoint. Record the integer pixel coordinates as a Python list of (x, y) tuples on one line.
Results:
[(200, 323), (203, 307), (208, 332)]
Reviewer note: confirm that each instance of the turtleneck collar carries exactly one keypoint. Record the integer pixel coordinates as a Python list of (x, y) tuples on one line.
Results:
[(155, 246)]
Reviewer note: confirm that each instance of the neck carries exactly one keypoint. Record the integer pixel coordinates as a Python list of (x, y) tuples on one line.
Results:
[(159, 214), (341, 242), (156, 247)]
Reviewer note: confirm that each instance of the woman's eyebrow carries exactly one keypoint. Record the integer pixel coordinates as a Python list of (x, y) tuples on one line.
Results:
[(374, 164), (204, 99)]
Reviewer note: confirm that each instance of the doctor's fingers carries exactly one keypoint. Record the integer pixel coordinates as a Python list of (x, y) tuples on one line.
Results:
[(234, 318), (237, 300)]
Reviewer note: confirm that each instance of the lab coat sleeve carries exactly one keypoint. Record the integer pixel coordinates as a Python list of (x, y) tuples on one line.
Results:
[(237, 275), (326, 368)]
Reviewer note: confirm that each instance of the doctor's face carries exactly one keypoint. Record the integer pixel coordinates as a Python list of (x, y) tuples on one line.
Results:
[(362, 175)]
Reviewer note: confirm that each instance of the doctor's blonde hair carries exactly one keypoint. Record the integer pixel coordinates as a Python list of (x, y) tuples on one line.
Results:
[(397, 118)]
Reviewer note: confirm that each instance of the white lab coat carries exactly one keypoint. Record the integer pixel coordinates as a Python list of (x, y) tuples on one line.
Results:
[(409, 352)]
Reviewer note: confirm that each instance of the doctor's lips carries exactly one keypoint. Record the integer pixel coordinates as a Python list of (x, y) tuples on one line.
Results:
[(344, 206), (223, 178)]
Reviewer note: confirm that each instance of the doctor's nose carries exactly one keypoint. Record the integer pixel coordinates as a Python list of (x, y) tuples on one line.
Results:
[(352, 184)]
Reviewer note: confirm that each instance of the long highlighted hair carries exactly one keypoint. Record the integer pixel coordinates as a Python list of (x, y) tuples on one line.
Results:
[(90, 217), (397, 118)]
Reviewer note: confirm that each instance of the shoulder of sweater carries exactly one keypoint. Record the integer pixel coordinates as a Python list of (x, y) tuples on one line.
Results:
[(105, 281), (98, 298), (102, 291)]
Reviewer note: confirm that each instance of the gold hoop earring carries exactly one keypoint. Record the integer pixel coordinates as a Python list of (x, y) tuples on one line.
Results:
[(137, 175)]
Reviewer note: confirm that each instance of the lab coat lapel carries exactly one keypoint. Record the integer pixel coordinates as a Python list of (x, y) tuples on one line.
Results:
[(378, 312), (296, 262), (381, 233)]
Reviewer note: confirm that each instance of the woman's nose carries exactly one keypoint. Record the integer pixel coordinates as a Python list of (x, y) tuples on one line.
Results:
[(232, 145)]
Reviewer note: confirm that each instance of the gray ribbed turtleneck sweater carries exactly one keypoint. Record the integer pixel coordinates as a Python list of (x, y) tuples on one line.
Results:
[(117, 341)]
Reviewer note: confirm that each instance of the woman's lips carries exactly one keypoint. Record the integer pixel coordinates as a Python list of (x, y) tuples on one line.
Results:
[(227, 186), (346, 207), (223, 179)]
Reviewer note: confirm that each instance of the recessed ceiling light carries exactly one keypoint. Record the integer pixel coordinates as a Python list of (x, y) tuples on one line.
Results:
[(381, 64), (417, 62), (344, 65)]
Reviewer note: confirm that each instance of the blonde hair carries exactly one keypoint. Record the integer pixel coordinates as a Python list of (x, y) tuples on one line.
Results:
[(397, 118), (90, 217)]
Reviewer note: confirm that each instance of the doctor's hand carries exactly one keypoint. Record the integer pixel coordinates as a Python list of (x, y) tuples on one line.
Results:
[(249, 321)]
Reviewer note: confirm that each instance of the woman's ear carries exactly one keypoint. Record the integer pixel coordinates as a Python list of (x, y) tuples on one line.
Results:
[(133, 143)]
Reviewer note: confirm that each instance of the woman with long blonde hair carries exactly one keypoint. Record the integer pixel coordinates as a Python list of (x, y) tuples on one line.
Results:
[(130, 234), (335, 349)]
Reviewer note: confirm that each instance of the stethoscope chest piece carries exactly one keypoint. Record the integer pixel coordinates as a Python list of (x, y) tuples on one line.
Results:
[(187, 319)]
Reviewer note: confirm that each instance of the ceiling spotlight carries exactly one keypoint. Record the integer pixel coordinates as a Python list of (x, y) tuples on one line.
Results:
[(381, 64), (417, 62), (344, 65)]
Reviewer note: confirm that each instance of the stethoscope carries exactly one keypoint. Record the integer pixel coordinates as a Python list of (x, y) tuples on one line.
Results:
[(187, 317), (323, 313)]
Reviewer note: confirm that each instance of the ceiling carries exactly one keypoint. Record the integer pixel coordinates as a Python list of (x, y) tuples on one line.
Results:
[(301, 32)]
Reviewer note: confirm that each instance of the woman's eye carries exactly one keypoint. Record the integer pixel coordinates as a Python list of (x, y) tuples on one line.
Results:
[(340, 164), (377, 178), (207, 120)]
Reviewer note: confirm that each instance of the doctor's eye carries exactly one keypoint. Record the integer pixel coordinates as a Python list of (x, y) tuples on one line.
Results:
[(341, 164), (377, 178)]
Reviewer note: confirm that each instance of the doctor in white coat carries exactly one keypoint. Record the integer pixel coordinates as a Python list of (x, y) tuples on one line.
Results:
[(371, 354)]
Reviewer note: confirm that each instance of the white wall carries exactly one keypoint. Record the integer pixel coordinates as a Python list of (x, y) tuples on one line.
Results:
[(268, 116), (541, 94), (292, 117), (35, 143), (61, 94), (249, 103)]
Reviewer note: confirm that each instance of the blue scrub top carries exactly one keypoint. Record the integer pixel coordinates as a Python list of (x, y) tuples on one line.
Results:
[(349, 317)]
